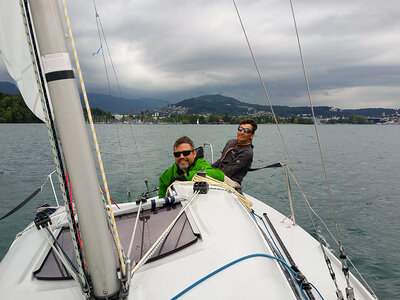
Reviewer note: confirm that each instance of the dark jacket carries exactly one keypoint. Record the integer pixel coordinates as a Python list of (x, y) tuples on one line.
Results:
[(235, 160)]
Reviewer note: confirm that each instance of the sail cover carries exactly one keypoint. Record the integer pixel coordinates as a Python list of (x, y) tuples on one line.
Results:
[(15, 52)]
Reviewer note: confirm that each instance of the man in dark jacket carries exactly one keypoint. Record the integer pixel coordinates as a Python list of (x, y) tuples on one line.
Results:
[(237, 155), (187, 164)]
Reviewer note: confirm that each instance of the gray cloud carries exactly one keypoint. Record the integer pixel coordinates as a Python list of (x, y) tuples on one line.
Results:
[(177, 49)]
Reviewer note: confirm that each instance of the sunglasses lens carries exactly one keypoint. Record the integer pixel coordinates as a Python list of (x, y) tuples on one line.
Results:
[(185, 153), (246, 130)]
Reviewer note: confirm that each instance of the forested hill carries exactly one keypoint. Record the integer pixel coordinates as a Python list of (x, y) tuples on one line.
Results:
[(221, 105), (14, 110)]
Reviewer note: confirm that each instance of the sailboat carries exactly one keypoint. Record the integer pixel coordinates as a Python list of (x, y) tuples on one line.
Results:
[(153, 248)]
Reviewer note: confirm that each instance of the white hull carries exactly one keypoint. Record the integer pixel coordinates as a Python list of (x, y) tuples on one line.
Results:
[(228, 232)]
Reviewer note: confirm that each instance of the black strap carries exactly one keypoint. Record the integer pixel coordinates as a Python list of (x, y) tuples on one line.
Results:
[(276, 165), (199, 152), (39, 189), (59, 75)]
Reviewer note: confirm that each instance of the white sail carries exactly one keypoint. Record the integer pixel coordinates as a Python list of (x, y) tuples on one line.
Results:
[(16, 55)]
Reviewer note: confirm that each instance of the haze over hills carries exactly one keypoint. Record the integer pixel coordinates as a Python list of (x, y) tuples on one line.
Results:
[(8, 88), (124, 105), (221, 105), (209, 104), (105, 102)]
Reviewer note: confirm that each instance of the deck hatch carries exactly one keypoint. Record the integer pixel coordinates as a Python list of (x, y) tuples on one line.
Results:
[(150, 226)]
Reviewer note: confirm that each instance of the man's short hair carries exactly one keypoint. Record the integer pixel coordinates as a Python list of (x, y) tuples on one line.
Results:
[(251, 122), (184, 140)]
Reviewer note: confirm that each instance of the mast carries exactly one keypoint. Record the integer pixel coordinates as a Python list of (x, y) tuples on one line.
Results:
[(95, 235)]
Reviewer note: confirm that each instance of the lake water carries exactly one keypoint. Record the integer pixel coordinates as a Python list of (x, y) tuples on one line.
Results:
[(362, 164)]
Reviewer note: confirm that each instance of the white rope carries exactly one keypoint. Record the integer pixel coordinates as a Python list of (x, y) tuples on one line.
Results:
[(247, 203), (108, 209), (134, 228), (60, 256), (162, 237)]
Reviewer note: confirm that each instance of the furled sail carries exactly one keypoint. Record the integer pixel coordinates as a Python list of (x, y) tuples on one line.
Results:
[(14, 49)]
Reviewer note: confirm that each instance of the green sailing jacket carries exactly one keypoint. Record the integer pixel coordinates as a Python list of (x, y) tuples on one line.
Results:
[(174, 171)]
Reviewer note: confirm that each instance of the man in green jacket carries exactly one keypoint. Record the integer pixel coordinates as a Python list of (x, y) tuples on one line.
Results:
[(187, 164)]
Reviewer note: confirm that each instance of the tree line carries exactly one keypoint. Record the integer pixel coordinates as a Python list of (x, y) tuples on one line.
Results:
[(14, 110)]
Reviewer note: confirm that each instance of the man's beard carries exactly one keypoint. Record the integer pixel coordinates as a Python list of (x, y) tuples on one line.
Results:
[(184, 164)]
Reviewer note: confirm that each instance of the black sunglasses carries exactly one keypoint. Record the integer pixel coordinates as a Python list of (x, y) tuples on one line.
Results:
[(185, 153), (246, 130)]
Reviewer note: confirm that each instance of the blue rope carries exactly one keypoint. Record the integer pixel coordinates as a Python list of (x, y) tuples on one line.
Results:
[(227, 266), (301, 284), (316, 290), (302, 291), (65, 254)]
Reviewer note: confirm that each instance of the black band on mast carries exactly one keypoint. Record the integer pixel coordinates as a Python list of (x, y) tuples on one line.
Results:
[(59, 75)]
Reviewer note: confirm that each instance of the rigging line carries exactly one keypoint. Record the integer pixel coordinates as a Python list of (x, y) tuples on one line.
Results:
[(314, 122), (61, 257), (332, 236), (140, 159), (262, 82), (100, 28), (134, 228), (108, 49), (277, 253), (162, 237), (312, 209), (341, 249), (108, 210), (57, 155), (102, 49), (269, 102), (309, 210), (266, 94), (277, 125), (99, 32)]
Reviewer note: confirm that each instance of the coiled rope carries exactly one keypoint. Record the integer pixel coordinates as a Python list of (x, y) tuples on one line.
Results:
[(247, 203), (108, 210)]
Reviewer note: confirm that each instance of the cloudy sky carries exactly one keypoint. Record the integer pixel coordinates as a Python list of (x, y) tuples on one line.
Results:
[(176, 49)]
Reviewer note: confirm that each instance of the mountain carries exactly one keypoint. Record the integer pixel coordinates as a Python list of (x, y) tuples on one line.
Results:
[(8, 88), (218, 104), (123, 105), (210, 104), (105, 102), (221, 105)]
